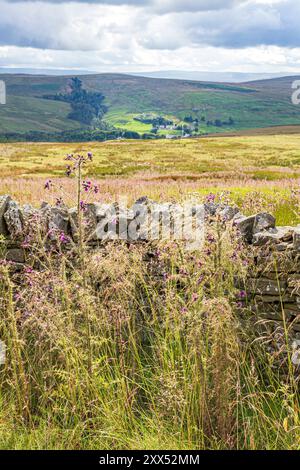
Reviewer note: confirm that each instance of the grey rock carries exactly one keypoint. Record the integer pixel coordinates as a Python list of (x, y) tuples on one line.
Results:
[(15, 255), (4, 201), (245, 226), (283, 246), (263, 221), (265, 286), (296, 239), (143, 200), (274, 315), (14, 220), (296, 327), (90, 218), (210, 208), (273, 275), (104, 210), (57, 221), (275, 298), (274, 235), (229, 212), (31, 215), (292, 309)]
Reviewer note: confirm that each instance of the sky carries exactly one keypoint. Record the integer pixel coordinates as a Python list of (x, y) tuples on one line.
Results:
[(145, 35)]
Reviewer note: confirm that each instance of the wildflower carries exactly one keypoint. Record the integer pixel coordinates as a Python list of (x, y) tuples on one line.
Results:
[(211, 238), (68, 170), (90, 156), (242, 294), (59, 201), (184, 310), (87, 185), (25, 243), (96, 189), (195, 297), (48, 184), (210, 197), (183, 271), (82, 205), (63, 238)]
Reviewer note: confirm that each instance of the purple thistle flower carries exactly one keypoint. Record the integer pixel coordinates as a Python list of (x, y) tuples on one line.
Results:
[(63, 238), (87, 185), (183, 272), (82, 205), (210, 197), (59, 201), (68, 170), (48, 184), (211, 238), (26, 242)]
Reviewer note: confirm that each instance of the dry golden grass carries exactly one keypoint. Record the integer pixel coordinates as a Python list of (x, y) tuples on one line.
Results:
[(265, 169), (274, 157)]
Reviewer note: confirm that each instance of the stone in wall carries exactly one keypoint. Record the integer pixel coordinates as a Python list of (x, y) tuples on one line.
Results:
[(4, 201), (14, 220)]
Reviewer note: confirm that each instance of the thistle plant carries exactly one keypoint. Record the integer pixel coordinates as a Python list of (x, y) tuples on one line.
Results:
[(84, 189)]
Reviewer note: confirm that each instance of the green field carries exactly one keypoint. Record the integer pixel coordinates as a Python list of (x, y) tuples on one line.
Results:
[(25, 113), (251, 105)]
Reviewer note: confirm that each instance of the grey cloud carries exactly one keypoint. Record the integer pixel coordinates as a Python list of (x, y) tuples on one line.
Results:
[(158, 6), (156, 25), (168, 6), (94, 2), (249, 26)]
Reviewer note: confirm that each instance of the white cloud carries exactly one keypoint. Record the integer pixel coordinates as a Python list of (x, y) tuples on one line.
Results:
[(129, 35)]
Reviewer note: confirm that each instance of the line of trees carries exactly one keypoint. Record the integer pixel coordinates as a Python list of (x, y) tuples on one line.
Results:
[(81, 135), (86, 105)]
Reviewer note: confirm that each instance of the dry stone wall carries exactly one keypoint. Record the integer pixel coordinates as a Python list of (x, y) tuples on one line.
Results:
[(271, 290)]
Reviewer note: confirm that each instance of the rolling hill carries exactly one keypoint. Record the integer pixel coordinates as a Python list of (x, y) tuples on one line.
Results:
[(217, 107)]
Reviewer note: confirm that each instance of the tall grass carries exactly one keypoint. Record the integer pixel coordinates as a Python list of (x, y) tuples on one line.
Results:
[(139, 347)]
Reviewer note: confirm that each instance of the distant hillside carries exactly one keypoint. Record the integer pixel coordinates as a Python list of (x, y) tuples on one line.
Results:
[(232, 77), (192, 106)]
